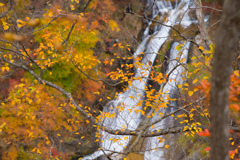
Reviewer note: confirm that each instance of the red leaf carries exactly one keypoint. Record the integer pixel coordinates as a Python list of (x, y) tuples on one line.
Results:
[(205, 133), (207, 149), (231, 131)]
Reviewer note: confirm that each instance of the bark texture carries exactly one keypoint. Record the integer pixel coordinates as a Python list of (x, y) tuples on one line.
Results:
[(202, 25), (226, 43)]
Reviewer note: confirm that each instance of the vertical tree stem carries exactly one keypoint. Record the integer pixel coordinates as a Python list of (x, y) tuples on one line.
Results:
[(226, 43)]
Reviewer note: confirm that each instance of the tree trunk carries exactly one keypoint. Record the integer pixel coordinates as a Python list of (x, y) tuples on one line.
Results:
[(202, 25), (226, 43)]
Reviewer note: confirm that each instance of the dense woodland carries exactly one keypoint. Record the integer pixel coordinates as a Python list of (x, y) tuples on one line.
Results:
[(63, 64)]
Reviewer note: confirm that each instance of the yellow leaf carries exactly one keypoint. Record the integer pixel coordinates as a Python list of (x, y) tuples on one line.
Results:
[(183, 60), (33, 150), (50, 14), (47, 142), (58, 134), (5, 25), (30, 134), (72, 7), (195, 89), (1, 4), (113, 25), (179, 86), (236, 73), (38, 151), (190, 93), (166, 146), (20, 23), (194, 81), (178, 48), (200, 47), (193, 58), (125, 138)]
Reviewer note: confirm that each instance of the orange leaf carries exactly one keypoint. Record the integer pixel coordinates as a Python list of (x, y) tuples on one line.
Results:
[(232, 153), (234, 107), (207, 149), (231, 131), (236, 73), (205, 133)]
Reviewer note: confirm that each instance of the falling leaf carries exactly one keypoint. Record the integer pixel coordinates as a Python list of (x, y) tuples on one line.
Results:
[(13, 37), (33, 22)]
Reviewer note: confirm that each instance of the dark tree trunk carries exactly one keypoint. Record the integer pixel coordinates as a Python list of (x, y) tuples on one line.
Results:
[(226, 43)]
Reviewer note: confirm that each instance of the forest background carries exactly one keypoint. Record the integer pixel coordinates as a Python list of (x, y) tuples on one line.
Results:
[(62, 61)]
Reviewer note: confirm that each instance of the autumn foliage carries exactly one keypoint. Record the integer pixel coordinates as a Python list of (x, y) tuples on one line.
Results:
[(52, 71)]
